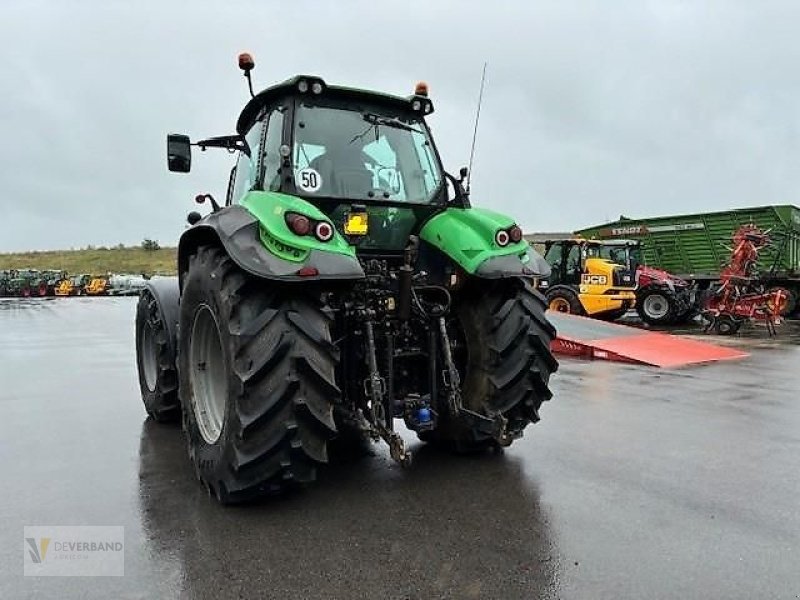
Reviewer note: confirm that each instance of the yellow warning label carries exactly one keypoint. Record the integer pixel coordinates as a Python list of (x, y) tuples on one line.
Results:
[(356, 224)]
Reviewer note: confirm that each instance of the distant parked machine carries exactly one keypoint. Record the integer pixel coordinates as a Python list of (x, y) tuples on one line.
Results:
[(696, 247), (52, 279), (97, 286), (583, 282), (73, 286), (126, 285), (4, 277), (26, 283)]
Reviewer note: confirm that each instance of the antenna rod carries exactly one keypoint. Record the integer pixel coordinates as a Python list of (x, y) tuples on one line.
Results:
[(475, 131)]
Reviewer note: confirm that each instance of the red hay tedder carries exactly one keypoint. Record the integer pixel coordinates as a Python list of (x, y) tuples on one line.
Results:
[(739, 296)]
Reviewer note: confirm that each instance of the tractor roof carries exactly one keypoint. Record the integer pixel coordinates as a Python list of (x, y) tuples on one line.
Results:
[(289, 87)]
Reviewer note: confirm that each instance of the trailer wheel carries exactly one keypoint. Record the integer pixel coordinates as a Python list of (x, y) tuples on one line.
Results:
[(727, 325), (656, 305), (158, 378), (505, 362), (257, 379), (563, 299)]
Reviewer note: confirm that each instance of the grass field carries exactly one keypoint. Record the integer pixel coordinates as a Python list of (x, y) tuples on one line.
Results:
[(98, 261)]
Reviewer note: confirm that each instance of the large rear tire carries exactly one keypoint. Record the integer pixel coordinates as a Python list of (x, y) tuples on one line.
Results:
[(656, 305), (507, 362), (257, 379), (155, 361)]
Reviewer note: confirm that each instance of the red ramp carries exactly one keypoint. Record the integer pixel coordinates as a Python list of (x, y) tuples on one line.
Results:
[(590, 338)]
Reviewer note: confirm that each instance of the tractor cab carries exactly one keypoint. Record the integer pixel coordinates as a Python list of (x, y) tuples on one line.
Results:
[(365, 159), (627, 253), (575, 261)]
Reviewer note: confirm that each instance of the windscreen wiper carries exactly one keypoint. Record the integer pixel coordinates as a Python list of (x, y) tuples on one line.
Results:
[(389, 122)]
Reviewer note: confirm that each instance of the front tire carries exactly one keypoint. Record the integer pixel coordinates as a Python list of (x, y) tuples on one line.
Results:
[(508, 362), (257, 380), (564, 300)]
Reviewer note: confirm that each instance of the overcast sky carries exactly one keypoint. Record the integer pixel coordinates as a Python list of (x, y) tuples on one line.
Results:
[(591, 110)]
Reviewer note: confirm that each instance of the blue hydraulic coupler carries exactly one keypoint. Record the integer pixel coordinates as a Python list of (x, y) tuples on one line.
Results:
[(423, 415)]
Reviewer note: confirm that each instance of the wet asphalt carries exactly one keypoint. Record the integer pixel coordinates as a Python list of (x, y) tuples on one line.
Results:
[(637, 483)]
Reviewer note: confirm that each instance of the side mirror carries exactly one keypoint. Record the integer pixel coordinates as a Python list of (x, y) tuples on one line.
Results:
[(179, 153), (463, 172)]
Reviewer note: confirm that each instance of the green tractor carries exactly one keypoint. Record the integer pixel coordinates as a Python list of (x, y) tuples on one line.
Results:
[(52, 279), (26, 283), (345, 283)]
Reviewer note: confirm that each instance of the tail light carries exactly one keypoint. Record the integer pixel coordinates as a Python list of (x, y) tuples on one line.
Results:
[(515, 233), (323, 231), (502, 238), (299, 224), (303, 225)]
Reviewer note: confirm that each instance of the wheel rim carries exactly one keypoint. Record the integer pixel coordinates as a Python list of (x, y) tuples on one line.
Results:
[(148, 357), (656, 306), (560, 305), (208, 376)]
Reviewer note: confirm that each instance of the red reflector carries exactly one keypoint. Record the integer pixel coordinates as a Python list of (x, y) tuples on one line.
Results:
[(308, 272), (515, 233)]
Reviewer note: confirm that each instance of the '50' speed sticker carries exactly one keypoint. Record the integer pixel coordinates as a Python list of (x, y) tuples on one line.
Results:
[(308, 180)]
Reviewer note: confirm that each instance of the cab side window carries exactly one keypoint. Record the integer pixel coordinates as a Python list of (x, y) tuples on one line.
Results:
[(555, 258), (272, 150), (245, 173), (574, 264)]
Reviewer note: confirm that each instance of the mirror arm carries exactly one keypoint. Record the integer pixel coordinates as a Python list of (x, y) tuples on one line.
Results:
[(232, 143), (462, 196)]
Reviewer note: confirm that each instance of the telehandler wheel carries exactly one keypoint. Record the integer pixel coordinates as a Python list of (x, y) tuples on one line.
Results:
[(562, 299), (158, 378), (257, 379), (656, 306), (505, 362)]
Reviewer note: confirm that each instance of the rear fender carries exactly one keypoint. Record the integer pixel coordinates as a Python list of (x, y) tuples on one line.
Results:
[(167, 294), (258, 240), (467, 236)]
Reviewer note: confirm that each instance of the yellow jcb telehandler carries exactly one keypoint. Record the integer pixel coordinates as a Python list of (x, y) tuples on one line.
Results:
[(583, 283)]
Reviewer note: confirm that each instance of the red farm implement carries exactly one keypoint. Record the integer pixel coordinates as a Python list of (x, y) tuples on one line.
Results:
[(740, 297)]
